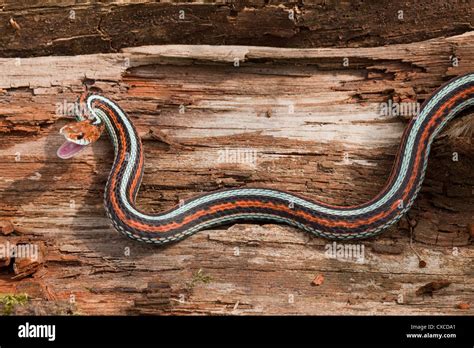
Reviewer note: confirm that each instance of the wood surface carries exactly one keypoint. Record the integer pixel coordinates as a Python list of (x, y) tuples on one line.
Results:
[(211, 117)]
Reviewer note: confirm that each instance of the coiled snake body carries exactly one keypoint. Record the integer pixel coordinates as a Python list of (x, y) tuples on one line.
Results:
[(261, 204)]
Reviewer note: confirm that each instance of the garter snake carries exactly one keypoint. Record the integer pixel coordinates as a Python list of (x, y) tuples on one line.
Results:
[(260, 204)]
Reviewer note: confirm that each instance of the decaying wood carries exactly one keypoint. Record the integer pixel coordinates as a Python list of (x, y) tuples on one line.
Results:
[(232, 116), (68, 27)]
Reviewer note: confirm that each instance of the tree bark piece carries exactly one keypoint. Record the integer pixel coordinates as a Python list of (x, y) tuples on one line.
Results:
[(67, 28)]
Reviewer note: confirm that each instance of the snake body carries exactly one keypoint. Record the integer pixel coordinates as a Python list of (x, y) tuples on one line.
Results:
[(268, 205)]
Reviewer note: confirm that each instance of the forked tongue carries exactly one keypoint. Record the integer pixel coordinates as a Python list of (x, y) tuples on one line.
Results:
[(69, 149)]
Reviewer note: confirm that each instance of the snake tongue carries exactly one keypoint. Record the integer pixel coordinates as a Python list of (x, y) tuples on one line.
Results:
[(69, 149)]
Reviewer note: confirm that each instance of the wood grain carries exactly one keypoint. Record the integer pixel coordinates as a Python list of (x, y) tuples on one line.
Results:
[(294, 119), (65, 27)]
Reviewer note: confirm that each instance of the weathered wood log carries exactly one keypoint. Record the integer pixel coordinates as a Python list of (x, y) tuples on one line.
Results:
[(230, 116), (70, 27)]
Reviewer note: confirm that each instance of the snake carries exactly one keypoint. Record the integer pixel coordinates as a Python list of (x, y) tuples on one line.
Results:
[(252, 204)]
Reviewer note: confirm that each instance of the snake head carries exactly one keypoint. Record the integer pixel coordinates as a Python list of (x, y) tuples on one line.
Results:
[(78, 136)]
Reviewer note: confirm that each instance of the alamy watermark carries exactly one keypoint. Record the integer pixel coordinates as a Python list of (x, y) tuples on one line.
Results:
[(345, 252), (391, 108), (19, 251), (238, 155), (70, 109)]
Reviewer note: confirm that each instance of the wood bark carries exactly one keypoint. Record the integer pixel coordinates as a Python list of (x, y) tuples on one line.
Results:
[(231, 116), (62, 27)]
